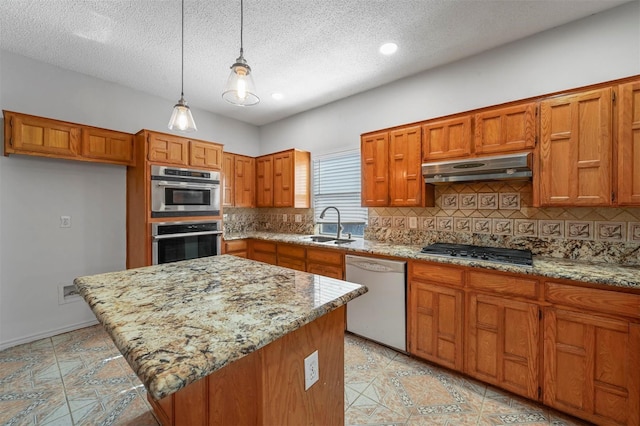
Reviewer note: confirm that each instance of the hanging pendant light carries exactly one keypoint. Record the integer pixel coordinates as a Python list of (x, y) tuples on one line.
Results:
[(240, 89), (181, 119)]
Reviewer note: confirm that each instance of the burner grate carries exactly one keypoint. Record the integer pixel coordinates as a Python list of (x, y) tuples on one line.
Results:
[(490, 254)]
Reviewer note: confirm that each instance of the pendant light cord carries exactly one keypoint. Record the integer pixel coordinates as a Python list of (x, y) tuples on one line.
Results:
[(182, 55), (241, 24)]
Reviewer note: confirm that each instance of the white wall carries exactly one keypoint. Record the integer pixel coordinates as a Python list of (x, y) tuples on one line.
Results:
[(36, 255), (602, 47)]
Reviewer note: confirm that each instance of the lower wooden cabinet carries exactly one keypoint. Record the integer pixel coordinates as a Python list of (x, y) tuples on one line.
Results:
[(329, 263), (503, 343), (263, 251), (238, 248), (292, 256), (435, 313), (592, 367)]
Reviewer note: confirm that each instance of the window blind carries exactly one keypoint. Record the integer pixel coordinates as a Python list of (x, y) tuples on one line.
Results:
[(336, 182)]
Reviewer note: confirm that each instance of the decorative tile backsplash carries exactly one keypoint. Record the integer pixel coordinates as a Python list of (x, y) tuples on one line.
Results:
[(500, 214)]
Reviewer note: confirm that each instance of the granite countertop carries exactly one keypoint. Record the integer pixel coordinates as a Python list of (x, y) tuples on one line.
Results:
[(178, 322), (590, 272)]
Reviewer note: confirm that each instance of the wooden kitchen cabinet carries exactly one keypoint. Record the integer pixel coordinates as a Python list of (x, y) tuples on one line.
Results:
[(575, 149), (107, 145), (264, 181), (592, 353), (205, 155), (629, 144), (27, 134), (447, 139), (503, 130), (179, 151), (405, 172), (503, 343), (374, 151), (283, 179), (236, 247), (329, 263), (238, 188), (435, 314), (263, 251), (45, 137), (292, 256), (228, 179)]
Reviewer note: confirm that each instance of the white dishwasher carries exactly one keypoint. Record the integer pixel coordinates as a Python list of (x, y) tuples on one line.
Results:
[(379, 314)]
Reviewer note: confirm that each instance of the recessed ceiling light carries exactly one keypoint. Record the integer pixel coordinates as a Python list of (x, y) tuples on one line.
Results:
[(277, 96), (388, 48)]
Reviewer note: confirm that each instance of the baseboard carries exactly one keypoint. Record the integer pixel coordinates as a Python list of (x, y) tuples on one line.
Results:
[(44, 335)]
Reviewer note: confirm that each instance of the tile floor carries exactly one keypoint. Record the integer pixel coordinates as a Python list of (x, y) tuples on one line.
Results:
[(80, 378)]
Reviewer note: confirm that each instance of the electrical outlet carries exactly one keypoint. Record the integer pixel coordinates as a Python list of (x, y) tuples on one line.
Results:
[(65, 221), (298, 218), (311, 370), (284, 217)]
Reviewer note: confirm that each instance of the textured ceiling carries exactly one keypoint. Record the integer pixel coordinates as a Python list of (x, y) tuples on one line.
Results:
[(312, 51)]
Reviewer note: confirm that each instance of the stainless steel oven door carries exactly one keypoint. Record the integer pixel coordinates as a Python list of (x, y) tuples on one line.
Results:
[(188, 245), (172, 198)]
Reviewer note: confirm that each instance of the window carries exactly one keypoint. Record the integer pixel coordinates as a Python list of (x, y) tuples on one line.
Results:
[(336, 182)]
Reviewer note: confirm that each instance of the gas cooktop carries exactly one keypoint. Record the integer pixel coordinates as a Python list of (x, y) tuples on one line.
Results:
[(489, 254)]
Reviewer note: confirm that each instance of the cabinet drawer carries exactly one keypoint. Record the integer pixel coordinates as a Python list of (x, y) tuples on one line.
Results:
[(291, 263), (606, 301), (236, 245), (326, 270), (264, 246), (433, 272), (264, 257), (291, 251), (325, 256), (504, 284)]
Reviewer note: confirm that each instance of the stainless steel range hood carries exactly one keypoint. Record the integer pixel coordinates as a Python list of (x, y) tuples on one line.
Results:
[(499, 167)]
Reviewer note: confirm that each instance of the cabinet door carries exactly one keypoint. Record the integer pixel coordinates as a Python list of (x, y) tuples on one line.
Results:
[(42, 136), (629, 144), (205, 154), (446, 139), (575, 149), (592, 367), (168, 149), (107, 145), (505, 129), (283, 184), (435, 321), (374, 150), (264, 181), (244, 181), (228, 179), (503, 343), (405, 167)]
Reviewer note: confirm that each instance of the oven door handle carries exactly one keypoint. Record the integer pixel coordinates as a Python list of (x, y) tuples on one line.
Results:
[(187, 184), (185, 234)]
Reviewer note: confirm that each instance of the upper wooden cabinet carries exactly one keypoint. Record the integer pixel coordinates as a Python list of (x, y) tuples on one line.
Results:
[(114, 147), (30, 135), (500, 130), (179, 151), (374, 151), (444, 139), (238, 188), (629, 144), (283, 179), (575, 149), (405, 173)]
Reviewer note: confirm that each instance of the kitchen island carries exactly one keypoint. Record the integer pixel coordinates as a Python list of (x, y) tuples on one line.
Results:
[(222, 340)]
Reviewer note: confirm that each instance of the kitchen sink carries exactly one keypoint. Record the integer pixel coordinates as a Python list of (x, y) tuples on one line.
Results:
[(342, 241), (320, 238)]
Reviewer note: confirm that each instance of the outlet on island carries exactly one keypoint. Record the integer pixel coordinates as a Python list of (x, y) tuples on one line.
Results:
[(311, 370)]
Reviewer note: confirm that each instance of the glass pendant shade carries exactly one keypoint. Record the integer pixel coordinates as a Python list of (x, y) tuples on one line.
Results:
[(181, 118), (240, 89)]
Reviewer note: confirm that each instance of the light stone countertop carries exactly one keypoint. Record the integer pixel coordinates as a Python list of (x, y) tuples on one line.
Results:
[(178, 322), (590, 272)]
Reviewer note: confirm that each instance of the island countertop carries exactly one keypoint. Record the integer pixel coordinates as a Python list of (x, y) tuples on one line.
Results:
[(178, 322)]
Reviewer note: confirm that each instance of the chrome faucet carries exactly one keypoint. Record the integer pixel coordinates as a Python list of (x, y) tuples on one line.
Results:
[(337, 211)]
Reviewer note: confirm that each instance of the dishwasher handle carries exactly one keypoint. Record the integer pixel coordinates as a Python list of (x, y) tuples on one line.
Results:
[(375, 265)]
